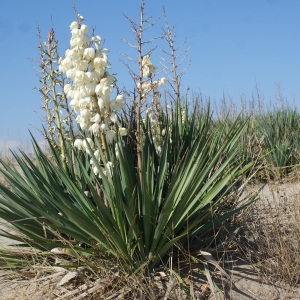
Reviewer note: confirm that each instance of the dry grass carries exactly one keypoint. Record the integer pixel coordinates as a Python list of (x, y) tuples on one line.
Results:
[(270, 240), (59, 284)]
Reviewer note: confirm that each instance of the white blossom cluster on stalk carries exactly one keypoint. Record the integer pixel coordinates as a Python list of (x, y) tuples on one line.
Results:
[(91, 85), (148, 86), (147, 66)]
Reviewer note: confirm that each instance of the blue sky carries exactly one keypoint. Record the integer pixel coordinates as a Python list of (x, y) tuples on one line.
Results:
[(235, 45)]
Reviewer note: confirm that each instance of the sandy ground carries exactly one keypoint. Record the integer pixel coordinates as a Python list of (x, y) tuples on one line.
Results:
[(245, 283), (248, 284)]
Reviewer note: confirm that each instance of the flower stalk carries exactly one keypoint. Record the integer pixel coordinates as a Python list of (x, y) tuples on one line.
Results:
[(59, 127)]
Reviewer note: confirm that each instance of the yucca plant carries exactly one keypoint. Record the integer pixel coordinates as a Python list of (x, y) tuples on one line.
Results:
[(280, 133), (130, 195), (182, 193)]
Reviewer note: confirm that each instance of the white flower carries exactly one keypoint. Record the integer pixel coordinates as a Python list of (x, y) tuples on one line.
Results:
[(110, 136), (83, 122), (96, 118), (74, 25), (101, 103), (100, 62), (84, 28), (82, 65), (85, 144), (70, 94), (85, 113), (95, 170), (146, 71), (76, 41), (106, 90), (163, 80), (120, 99), (79, 75), (94, 76), (109, 79), (152, 68), (117, 151), (78, 143), (71, 73), (89, 53), (82, 103), (122, 131), (67, 88), (90, 88), (97, 155), (98, 89), (76, 32), (104, 127), (146, 60), (114, 117), (117, 104), (109, 166), (75, 105), (147, 67), (95, 128)]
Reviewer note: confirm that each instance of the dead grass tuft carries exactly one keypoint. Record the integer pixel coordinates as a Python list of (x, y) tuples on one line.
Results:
[(270, 240)]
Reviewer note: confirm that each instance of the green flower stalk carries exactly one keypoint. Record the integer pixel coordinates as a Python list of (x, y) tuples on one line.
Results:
[(60, 128)]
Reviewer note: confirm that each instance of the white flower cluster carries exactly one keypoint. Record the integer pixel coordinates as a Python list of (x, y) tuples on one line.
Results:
[(148, 86), (156, 130), (82, 145), (147, 67), (86, 66), (109, 166), (152, 117)]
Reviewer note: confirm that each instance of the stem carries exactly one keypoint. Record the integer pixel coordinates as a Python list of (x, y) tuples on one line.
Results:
[(104, 145), (100, 192), (140, 92), (56, 109)]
